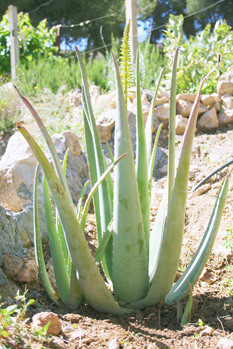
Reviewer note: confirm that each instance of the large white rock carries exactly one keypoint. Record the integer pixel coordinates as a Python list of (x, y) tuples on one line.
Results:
[(162, 112), (105, 124), (225, 83), (225, 117), (94, 93), (227, 102), (181, 124), (17, 168), (184, 107), (209, 120), (190, 97), (107, 100)]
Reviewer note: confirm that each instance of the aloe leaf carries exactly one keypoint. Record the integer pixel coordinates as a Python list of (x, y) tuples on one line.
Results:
[(130, 266), (58, 221), (107, 258), (80, 201), (188, 308), (49, 143), (179, 309), (152, 159), (110, 152), (141, 161), (110, 186), (172, 122), (43, 275), (149, 122), (98, 164), (195, 267), (169, 254), (101, 300), (76, 295), (59, 262), (157, 234), (102, 246), (93, 190)]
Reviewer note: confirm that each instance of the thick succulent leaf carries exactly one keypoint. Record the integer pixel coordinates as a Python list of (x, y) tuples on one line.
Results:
[(141, 161), (98, 166), (43, 275), (110, 152), (58, 222), (102, 246), (169, 254), (157, 234), (80, 201), (172, 129), (149, 122), (88, 274), (59, 261), (152, 159), (107, 258), (188, 308), (76, 295), (130, 266), (49, 143), (196, 266), (93, 190)]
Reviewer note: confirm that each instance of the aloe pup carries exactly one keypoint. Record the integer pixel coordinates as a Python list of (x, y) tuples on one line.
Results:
[(139, 266)]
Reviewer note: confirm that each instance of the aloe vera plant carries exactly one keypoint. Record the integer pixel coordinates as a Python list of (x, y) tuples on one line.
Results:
[(140, 266)]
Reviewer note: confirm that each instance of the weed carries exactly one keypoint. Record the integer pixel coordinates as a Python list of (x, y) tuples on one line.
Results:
[(229, 239)]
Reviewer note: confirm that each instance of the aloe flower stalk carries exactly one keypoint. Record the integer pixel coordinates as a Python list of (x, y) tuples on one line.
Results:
[(140, 267)]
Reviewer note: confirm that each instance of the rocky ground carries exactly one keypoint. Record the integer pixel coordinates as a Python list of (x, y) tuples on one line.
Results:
[(211, 323)]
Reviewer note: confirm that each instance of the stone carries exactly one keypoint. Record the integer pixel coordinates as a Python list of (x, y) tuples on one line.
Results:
[(184, 107), (217, 97), (161, 100), (208, 99), (217, 106), (7, 285), (114, 344), (225, 83), (12, 264), (105, 124), (209, 120), (144, 99), (67, 140), (208, 331), (190, 97), (41, 319), (225, 117), (57, 343), (225, 87), (162, 112), (73, 97), (13, 227), (107, 100), (77, 172), (227, 101), (225, 343), (17, 168), (162, 94), (94, 93), (181, 124), (28, 273)]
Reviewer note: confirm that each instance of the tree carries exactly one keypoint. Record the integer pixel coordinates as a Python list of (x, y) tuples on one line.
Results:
[(74, 12), (222, 10), (161, 10)]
